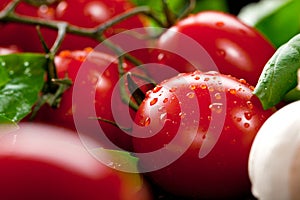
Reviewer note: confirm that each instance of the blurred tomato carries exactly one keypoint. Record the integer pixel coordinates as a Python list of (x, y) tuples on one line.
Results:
[(83, 13), (45, 162)]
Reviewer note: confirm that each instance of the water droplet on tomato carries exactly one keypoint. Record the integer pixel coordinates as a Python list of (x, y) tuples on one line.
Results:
[(246, 125), (190, 95), (182, 114), (218, 96), (173, 89), (216, 107), (206, 79), (243, 81), (221, 52), (249, 104), (153, 101), (146, 121), (232, 91), (220, 23), (162, 117), (162, 109), (157, 89), (203, 86), (248, 115), (193, 87), (160, 56), (197, 78), (238, 119), (165, 100)]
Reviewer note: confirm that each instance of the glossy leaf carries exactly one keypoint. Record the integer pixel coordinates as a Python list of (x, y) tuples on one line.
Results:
[(279, 76), (277, 20), (26, 79)]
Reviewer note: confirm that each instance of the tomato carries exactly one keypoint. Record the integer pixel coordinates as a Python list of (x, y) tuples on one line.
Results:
[(87, 14), (46, 162), (236, 49), (193, 135), (97, 96)]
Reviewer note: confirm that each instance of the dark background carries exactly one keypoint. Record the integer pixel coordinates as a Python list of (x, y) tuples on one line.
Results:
[(234, 6)]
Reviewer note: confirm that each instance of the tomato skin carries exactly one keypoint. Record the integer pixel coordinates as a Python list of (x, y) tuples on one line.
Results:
[(86, 14), (236, 49), (46, 162), (222, 173)]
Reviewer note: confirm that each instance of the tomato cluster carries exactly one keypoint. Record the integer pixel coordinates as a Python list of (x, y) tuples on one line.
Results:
[(192, 132)]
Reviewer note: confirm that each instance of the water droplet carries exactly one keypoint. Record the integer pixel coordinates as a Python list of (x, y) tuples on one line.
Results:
[(27, 72), (26, 63), (218, 96), (246, 125), (216, 107), (146, 121), (243, 81), (193, 87), (220, 23), (203, 86), (211, 89), (190, 95), (232, 91), (197, 78), (227, 128), (163, 116), (221, 52), (160, 56), (173, 89), (251, 87), (238, 119), (248, 115), (153, 101), (206, 79), (165, 100), (157, 89), (249, 104), (162, 109), (182, 114)]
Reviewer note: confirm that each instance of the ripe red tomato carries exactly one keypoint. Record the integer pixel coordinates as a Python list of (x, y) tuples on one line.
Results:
[(87, 14), (236, 49), (46, 162), (97, 95), (206, 123)]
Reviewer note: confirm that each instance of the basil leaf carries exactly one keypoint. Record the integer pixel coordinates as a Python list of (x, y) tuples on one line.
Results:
[(117, 159), (7, 126), (26, 79), (4, 78), (277, 20), (279, 76)]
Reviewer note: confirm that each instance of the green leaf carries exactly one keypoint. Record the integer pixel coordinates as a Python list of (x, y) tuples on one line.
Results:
[(26, 79), (279, 76), (277, 20), (7, 126), (120, 160), (4, 78)]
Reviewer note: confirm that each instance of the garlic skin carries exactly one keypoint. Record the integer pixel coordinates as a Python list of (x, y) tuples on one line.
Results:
[(274, 160)]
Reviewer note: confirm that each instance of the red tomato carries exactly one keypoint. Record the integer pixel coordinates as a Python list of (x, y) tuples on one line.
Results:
[(46, 162), (87, 14), (236, 48), (97, 78), (206, 123)]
